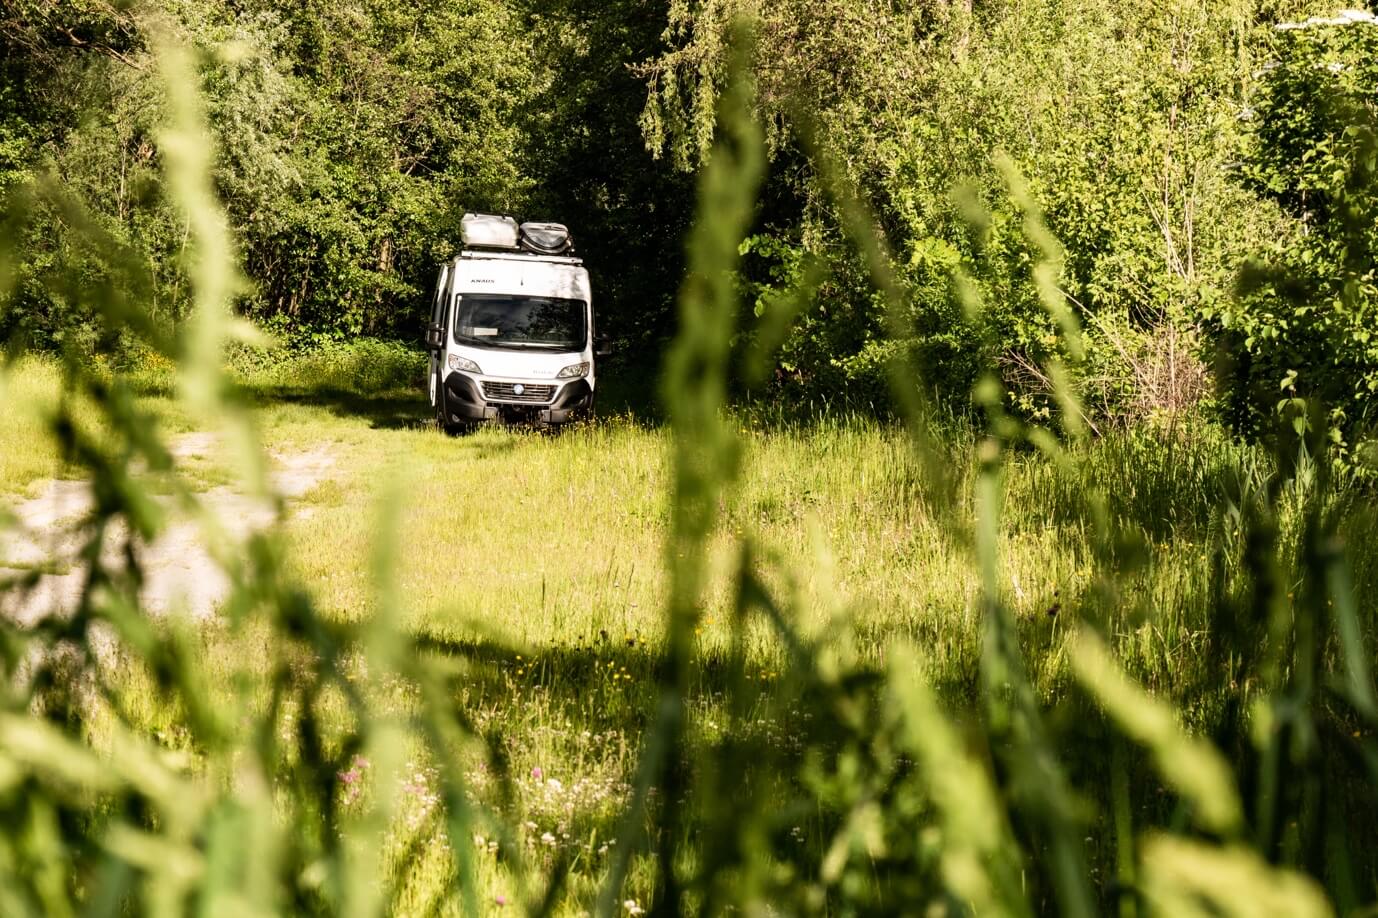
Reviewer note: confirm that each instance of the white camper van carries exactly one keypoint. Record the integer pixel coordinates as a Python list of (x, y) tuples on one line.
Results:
[(511, 334)]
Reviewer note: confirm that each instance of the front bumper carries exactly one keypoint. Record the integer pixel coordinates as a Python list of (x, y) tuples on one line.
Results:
[(466, 403)]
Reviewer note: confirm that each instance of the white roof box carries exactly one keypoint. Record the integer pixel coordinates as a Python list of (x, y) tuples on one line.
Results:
[(488, 231)]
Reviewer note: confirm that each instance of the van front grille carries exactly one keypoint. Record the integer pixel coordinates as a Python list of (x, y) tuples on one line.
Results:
[(507, 392)]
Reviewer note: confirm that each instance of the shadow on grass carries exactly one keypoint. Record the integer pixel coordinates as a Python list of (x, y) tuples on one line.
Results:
[(1158, 498), (616, 678), (622, 391), (393, 409), (773, 729)]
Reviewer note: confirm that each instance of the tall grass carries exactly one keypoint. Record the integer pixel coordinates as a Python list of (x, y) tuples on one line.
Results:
[(29, 395), (364, 365), (839, 668)]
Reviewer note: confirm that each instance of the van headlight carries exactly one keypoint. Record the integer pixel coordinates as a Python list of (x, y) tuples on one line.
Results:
[(463, 363), (574, 371)]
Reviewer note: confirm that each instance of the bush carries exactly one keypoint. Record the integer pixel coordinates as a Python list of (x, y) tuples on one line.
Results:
[(1305, 325), (364, 366)]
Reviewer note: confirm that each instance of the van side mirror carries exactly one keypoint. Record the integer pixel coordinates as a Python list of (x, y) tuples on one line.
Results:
[(435, 337), (602, 347)]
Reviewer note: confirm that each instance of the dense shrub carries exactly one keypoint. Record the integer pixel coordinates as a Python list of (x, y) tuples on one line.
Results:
[(1306, 322), (364, 366), (351, 138), (1122, 119)]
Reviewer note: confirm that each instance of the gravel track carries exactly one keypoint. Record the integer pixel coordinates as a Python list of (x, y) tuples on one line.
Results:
[(180, 575)]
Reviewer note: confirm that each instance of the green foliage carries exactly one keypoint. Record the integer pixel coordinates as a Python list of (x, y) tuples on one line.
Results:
[(883, 800), (351, 138), (1306, 323), (585, 159), (363, 366), (1122, 118), (354, 136)]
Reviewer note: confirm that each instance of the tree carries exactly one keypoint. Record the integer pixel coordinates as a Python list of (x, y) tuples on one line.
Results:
[(1306, 323), (352, 136), (1122, 118), (590, 168)]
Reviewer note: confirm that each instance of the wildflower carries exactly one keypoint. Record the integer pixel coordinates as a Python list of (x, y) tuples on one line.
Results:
[(633, 907), (499, 900), (547, 838), (536, 773), (554, 785)]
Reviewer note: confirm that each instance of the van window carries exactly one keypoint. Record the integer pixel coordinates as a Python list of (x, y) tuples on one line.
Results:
[(438, 299), (504, 320)]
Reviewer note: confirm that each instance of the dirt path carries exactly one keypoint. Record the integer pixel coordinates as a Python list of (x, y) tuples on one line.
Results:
[(179, 572)]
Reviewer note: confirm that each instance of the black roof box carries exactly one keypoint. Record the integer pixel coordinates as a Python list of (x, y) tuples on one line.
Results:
[(546, 238)]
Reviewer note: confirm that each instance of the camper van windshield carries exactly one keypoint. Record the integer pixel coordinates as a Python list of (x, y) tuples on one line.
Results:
[(498, 320)]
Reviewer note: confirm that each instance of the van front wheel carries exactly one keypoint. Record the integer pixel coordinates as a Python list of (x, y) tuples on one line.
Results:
[(441, 420)]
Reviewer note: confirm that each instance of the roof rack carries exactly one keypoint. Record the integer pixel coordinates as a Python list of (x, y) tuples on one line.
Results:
[(499, 255)]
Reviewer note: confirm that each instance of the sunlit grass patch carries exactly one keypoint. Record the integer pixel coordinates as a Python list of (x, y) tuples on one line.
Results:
[(29, 392)]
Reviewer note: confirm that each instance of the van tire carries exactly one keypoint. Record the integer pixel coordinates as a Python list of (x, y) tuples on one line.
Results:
[(441, 421)]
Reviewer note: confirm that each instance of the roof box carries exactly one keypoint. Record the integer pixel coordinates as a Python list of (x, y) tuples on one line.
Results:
[(488, 231), (546, 238)]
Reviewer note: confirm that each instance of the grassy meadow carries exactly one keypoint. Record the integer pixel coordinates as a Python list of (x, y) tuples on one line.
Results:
[(535, 563)]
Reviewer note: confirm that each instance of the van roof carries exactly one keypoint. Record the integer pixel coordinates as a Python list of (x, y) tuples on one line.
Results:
[(520, 256)]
